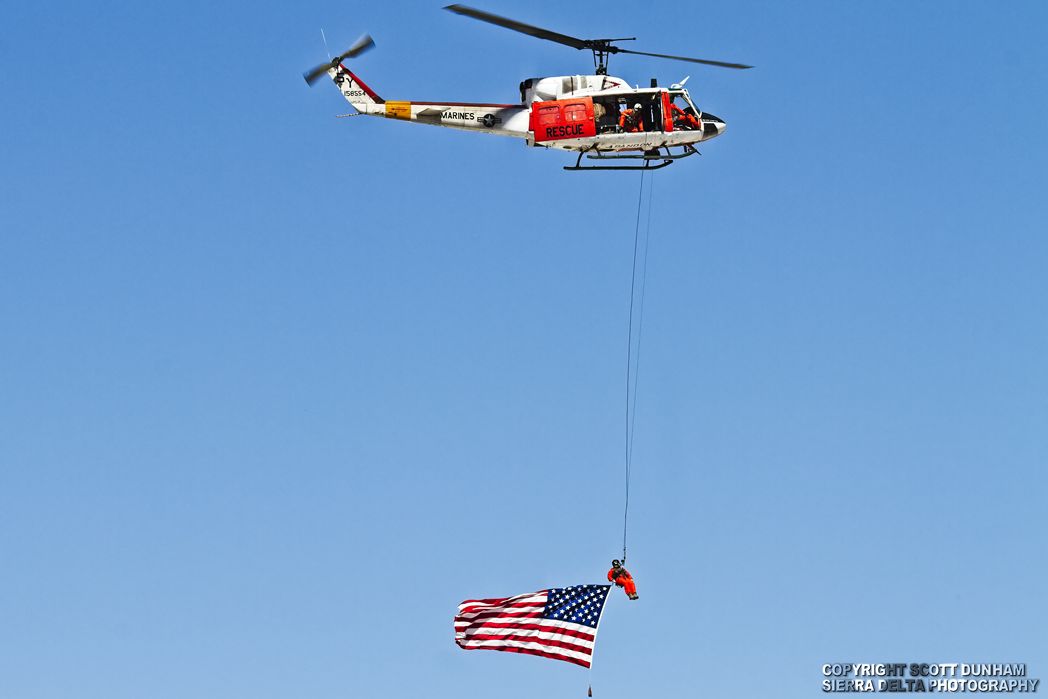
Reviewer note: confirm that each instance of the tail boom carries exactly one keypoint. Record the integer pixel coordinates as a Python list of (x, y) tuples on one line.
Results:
[(502, 119)]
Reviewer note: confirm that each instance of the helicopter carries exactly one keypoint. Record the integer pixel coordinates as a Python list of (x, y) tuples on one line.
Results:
[(599, 116)]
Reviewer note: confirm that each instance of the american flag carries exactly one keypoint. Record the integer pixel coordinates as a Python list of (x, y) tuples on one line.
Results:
[(559, 623)]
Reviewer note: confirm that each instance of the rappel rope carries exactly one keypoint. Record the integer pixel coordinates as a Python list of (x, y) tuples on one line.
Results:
[(633, 365)]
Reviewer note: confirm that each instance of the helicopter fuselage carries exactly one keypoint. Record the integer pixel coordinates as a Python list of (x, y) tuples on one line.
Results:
[(575, 113)]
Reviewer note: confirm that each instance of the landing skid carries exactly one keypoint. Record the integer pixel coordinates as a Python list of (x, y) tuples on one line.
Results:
[(648, 157)]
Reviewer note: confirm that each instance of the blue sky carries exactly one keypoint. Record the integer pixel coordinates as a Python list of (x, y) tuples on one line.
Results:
[(279, 389)]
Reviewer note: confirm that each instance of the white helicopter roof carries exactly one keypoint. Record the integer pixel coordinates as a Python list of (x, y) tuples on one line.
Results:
[(566, 86)]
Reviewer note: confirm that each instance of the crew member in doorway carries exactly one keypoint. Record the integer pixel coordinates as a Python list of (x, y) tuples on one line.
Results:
[(621, 577), (631, 121)]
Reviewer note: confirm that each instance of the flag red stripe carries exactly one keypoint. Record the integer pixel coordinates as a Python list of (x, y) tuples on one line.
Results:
[(525, 627), (533, 597), (507, 615), (470, 613), (531, 651), (503, 600), (477, 607)]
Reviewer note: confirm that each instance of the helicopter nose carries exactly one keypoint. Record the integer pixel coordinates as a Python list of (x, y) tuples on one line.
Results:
[(712, 126)]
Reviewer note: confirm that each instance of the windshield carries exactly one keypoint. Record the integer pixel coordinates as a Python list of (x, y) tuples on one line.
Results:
[(685, 115), (682, 98)]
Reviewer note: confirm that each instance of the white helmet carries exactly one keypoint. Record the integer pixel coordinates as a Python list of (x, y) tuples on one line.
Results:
[(637, 106)]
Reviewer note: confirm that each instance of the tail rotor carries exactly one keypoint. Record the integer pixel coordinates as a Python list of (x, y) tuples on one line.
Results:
[(361, 45)]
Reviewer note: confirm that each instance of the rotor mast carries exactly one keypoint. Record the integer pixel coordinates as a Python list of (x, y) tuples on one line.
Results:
[(602, 48)]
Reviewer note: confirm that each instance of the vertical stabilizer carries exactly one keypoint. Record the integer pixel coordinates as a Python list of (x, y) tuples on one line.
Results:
[(356, 92)]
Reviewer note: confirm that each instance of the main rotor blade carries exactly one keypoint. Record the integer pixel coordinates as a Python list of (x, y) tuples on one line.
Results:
[(516, 26), (721, 64), (359, 46)]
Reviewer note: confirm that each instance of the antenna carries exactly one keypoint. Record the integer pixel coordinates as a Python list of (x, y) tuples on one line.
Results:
[(326, 49)]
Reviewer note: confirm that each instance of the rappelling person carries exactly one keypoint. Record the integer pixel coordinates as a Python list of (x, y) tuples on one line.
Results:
[(630, 120), (621, 577)]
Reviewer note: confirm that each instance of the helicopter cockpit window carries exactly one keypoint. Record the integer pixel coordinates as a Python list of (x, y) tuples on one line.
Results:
[(684, 116)]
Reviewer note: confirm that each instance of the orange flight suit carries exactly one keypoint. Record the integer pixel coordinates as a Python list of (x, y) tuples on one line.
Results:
[(623, 579), (636, 124), (682, 118)]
